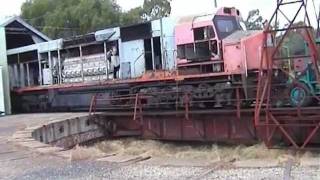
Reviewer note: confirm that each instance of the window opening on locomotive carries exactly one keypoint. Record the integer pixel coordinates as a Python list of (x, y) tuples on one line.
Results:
[(203, 33), (226, 25), (153, 57)]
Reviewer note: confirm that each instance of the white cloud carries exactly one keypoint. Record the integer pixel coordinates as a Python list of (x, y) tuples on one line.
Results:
[(129, 4), (10, 7), (187, 7), (184, 7)]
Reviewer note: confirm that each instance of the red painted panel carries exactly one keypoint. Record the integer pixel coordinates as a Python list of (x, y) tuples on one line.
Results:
[(206, 127)]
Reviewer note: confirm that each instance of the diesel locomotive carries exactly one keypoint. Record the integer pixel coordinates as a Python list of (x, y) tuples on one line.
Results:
[(211, 59)]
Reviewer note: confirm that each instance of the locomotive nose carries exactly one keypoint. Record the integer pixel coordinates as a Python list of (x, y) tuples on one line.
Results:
[(242, 51)]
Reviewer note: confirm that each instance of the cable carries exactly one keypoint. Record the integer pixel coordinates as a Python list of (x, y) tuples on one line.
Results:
[(49, 27), (315, 10), (54, 27)]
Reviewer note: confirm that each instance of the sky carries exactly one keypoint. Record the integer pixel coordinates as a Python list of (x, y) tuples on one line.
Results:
[(182, 7)]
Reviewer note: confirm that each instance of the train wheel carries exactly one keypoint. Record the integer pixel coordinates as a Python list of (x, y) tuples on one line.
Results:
[(300, 96)]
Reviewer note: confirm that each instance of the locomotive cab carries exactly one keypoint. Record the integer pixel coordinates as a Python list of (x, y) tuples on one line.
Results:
[(199, 40)]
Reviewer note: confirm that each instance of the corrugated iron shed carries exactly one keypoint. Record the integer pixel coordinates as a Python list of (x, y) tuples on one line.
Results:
[(5, 25)]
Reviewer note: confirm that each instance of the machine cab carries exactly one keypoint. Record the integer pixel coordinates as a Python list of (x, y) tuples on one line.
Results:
[(198, 40)]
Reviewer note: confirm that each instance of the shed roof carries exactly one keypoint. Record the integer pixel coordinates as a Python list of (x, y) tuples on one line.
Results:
[(6, 21)]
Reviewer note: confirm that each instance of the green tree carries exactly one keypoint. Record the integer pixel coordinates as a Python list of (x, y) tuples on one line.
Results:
[(151, 9), (132, 16), (64, 18), (34, 11), (254, 20), (61, 18), (155, 9)]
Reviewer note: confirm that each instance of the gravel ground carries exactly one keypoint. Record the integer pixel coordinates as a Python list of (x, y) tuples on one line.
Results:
[(265, 174), (93, 170), (18, 163)]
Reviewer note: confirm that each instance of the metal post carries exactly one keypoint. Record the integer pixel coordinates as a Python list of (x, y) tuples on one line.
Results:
[(60, 68), (162, 46), (136, 107), (215, 3), (92, 105), (22, 75), (152, 51), (40, 69), (140, 111), (119, 51), (238, 104), (50, 67), (318, 24), (106, 58), (82, 73), (28, 74), (18, 72), (15, 75), (187, 103)]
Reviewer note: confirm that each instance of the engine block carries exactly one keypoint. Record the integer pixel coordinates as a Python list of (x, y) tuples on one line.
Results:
[(85, 69)]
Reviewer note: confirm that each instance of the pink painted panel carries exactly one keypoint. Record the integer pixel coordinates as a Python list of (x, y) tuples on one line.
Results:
[(221, 11), (184, 32), (253, 48), (233, 58)]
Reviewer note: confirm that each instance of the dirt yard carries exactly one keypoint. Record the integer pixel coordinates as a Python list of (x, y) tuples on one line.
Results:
[(146, 159)]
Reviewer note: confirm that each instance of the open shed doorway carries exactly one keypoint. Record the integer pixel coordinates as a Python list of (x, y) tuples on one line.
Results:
[(153, 56)]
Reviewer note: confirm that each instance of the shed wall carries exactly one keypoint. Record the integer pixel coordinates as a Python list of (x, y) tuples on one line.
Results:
[(2, 104), (5, 74)]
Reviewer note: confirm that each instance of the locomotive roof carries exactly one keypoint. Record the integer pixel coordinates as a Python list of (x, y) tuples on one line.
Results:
[(207, 17), (238, 35), (196, 18)]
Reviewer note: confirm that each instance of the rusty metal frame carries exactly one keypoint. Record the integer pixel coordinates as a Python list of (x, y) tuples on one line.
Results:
[(93, 104), (265, 117), (133, 102)]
